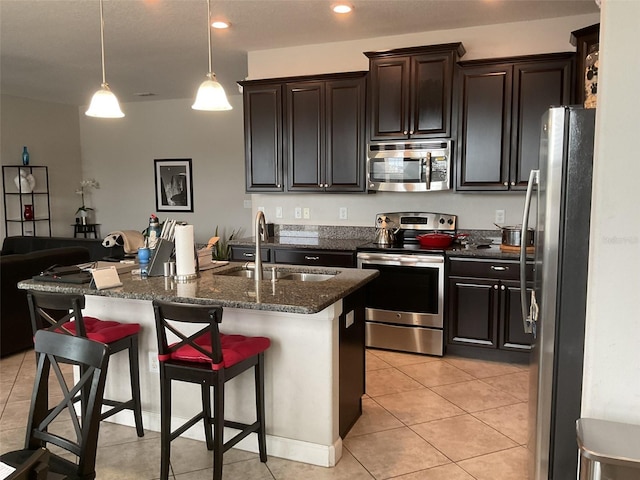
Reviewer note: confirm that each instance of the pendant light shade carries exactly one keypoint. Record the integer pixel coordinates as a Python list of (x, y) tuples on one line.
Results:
[(210, 96), (104, 103)]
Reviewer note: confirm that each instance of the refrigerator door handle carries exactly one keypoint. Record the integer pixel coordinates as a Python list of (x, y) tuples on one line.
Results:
[(527, 317)]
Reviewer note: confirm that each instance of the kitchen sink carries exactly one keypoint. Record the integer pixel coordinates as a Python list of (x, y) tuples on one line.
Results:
[(280, 275)]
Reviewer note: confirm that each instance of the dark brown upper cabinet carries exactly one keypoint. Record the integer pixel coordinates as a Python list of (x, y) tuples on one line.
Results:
[(263, 137), (325, 125), (411, 92), (501, 105), (313, 129), (583, 40)]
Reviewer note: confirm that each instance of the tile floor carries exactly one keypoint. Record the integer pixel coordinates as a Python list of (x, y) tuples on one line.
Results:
[(424, 418)]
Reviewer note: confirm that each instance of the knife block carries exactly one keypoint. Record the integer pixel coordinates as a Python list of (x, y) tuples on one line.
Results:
[(161, 254)]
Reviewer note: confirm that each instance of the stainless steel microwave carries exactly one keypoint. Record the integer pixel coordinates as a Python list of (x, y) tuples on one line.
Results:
[(419, 166)]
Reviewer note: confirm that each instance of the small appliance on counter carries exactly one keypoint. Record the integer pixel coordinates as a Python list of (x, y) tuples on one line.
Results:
[(405, 304)]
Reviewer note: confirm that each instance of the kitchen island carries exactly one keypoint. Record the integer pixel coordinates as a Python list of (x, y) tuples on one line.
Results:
[(314, 369)]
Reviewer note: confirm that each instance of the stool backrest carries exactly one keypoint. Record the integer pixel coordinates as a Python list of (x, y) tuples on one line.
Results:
[(52, 351), (51, 311), (168, 317)]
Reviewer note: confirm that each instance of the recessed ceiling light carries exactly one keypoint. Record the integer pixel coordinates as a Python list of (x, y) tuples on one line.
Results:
[(220, 24), (342, 8)]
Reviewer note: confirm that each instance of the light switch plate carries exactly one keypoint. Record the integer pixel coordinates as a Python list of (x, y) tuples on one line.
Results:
[(343, 213), (306, 213), (297, 212)]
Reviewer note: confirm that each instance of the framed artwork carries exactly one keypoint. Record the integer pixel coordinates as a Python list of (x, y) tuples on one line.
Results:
[(174, 185)]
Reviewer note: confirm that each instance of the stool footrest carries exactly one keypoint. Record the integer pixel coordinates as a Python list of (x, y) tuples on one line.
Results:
[(186, 426), (246, 430)]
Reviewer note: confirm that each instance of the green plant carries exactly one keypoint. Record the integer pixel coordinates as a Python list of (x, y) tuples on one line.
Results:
[(222, 250)]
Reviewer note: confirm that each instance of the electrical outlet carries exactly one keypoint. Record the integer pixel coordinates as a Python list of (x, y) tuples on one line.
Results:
[(499, 216), (297, 212), (306, 213), (278, 212), (154, 366), (343, 213)]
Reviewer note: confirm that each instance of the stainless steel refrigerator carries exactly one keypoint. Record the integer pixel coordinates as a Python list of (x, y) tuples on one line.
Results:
[(559, 200)]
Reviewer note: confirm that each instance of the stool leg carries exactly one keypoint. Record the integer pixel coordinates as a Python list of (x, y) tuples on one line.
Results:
[(206, 412), (262, 435), (134, 369), (165, 425), (218, 422)]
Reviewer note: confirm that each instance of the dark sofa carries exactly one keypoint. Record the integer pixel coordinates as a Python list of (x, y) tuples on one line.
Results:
[(24, 244), (15, 325)]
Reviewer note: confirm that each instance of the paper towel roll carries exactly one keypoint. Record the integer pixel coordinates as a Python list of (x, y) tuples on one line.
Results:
[(185, 261)]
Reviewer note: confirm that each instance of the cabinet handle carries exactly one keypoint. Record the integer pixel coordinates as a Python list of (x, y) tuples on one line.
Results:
[(309, 257), (248, 255), (278, 185), (498, 268), (502, 287), (513, 184), (410, 132), (495, 287), (506, 184), (405, 132)]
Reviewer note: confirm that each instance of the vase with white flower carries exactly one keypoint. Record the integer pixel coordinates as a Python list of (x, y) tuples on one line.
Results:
[(85, 186)]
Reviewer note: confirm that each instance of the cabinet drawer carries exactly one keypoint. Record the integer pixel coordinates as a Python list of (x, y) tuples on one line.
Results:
[(325, 258), (488, 268), (248, 254)]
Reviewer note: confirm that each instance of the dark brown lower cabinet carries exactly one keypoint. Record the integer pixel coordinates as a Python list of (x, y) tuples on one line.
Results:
[(484, 305), (351, 363)]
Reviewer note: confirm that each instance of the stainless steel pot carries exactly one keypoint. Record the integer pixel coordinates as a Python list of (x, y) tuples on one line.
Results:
[(512, 236)]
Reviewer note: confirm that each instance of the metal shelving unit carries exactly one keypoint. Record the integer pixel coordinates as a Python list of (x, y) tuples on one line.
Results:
[(15, 199)]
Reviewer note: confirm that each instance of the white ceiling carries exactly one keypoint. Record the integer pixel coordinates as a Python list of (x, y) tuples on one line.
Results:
[(50, 49)]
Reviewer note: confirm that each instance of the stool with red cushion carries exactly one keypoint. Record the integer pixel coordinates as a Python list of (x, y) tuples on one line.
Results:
[(209, 358), (62, 313)]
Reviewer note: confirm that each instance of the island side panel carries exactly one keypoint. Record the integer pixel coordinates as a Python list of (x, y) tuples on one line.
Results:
[(301, 378)]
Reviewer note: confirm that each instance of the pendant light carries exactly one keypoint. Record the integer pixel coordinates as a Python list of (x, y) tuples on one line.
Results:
[(104, 103), (210, 96)]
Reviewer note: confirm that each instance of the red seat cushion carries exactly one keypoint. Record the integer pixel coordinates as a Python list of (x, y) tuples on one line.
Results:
[(104, 331), (235, 348)]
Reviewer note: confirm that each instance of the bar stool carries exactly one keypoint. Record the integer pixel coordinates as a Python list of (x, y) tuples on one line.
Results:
[(209, 358), (62, 313)]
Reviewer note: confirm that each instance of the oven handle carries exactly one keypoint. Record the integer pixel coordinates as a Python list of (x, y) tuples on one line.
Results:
[(398, 260)]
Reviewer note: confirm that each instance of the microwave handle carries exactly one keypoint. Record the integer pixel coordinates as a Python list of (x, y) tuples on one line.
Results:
[(427, 170)]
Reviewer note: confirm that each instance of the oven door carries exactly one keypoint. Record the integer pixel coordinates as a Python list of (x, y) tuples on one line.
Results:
[(409, 290)]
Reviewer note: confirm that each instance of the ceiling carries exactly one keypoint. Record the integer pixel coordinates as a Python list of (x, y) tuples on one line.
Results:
[(50, 49)]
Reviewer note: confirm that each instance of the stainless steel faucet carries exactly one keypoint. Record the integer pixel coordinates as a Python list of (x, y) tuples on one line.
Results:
[(261, 236)]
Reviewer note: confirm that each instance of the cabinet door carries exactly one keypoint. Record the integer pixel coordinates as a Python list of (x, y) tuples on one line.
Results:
[(305, 139), (473, 311), (512, 335), (536, 87), (345, 159), (263, 138), (430, 87), (389, 95), (485, 128)]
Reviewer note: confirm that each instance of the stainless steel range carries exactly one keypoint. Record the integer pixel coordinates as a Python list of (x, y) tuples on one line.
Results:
[(405, 304)]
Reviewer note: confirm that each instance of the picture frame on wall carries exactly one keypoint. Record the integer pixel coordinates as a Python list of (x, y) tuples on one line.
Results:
[(174, 185)]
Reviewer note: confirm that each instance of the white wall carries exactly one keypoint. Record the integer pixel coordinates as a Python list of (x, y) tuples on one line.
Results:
[(50, 132), (120, 155), (612, 350), (474, 210)]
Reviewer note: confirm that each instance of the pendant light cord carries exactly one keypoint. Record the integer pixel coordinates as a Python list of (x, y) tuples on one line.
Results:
[(104, 77), (208, 31)]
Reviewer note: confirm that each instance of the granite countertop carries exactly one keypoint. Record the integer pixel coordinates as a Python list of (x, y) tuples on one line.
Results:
[(211, 287), (457, 250), (319, 243)]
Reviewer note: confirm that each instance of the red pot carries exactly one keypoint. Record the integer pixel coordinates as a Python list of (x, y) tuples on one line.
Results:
[(435, 240)]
